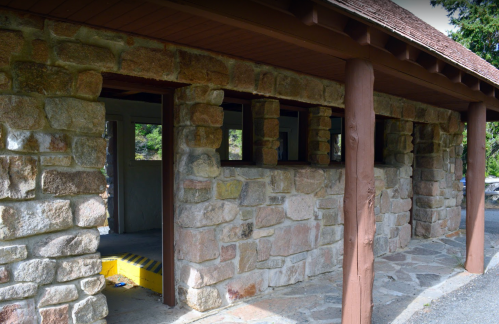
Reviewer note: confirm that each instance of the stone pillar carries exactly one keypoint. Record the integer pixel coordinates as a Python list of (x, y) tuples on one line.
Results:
[(358, 261), (265, 130), (475, 193), (319, 123), (198, 118)]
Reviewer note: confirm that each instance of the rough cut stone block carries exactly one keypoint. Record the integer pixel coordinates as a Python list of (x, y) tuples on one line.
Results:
[(67, 244), (335, 181), (31, 218), (281, 181), (322, 260), (41, 271), (82, 54), (79, 267), (58, 295), (203, 137), (13, 253), (42, 79), (196, 191), (18, 291), (264, 247), (266, 128), (269, 216), (206, 115), (90, 309), (331, 234), (62, 183), (300, 207), (228, 252), (405, 235), (454, 217), (17, 177), (252, 173), (265, 108), (55, 160), (90, 151), (287, 275), (228, 189), (202, 299), (53, 315), (199, 93), (197, 246), (253, 193), (26, 141), (331, 217), (247, 256), (89, 84), (202, 215), (196, 277), (76, 115), (428, 229), (153, 63), (380, 245), (277, 200), (20, 312), (274, 263), (11, 42), (327, 203), (295, 239), (89, 212), (430, 202), (201, 165), (233, 233), (401, 205), (309, 180), (249, 285), (200, 68), (4, 275), (243, 76), (92, 286), (263, 233), (20, 112)]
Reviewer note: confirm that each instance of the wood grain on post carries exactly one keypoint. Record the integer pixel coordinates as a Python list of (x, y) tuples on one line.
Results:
[(475, 188), (358, 260)]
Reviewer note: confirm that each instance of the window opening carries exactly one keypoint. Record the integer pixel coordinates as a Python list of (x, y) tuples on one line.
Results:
[(148, 144)]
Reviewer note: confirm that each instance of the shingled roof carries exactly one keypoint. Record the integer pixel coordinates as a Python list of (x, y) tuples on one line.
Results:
[(389, 15)]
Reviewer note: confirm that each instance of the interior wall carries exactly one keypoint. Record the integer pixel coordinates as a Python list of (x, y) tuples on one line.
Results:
[(141, 185)]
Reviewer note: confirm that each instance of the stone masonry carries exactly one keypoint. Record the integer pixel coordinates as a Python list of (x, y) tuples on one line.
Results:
[(239, 232)]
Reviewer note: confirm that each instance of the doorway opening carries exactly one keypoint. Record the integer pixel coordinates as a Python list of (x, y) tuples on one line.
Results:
[(137, 244)]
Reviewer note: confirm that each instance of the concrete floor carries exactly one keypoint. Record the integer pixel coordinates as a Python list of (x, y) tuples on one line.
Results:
[(144, 243)]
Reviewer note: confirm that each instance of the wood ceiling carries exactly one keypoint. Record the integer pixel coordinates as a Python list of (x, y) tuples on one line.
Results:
[(284, 38)]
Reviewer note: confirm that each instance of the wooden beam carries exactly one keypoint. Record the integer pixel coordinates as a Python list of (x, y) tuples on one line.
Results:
[(402, 50), (168, 200), (306, 11), (359, 228), (452, 73), (358, 31), (488, 89), (472, 82), (379, 39), (475, 194), (430, 63)]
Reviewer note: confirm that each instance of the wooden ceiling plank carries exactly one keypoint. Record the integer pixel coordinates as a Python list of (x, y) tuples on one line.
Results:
[(22, 5), (201, 34), (115, 11), (92, 10), (164, 23), (141, 12), (68, 8), (45, 7), (188, 24), (154, 17)]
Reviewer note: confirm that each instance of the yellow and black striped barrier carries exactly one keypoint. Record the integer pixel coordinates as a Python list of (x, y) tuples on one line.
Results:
[(143, 271)]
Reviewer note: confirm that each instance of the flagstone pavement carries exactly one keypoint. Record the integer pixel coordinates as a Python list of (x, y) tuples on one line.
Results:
[(404, 282)]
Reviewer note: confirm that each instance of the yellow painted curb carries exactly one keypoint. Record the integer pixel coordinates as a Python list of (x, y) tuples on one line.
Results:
[(143, 271)]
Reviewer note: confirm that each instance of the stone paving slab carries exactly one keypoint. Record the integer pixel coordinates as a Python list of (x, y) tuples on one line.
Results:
[(404, 282)]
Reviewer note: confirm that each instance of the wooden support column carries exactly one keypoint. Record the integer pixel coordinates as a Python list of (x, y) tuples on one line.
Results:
[(475, 192), (358, 260)]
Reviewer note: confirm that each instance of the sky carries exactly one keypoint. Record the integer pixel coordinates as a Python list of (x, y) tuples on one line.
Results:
[(435, 16)]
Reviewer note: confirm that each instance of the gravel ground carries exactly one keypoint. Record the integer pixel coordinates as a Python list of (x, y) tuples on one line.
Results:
[(477, 302)]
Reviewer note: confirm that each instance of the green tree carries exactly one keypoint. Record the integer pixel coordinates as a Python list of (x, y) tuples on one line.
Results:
[(477, 23)]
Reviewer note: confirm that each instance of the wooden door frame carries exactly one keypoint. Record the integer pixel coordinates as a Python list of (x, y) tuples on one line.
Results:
[(166, 90)]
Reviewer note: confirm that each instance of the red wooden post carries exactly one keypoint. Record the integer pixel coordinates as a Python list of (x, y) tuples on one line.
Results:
[(475, 188), (358, 260)]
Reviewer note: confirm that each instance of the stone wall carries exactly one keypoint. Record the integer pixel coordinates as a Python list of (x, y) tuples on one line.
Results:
[(439, 169)]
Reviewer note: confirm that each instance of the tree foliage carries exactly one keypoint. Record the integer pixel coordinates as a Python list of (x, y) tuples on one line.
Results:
[(478, 25), (478, 30), (148, 145)]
